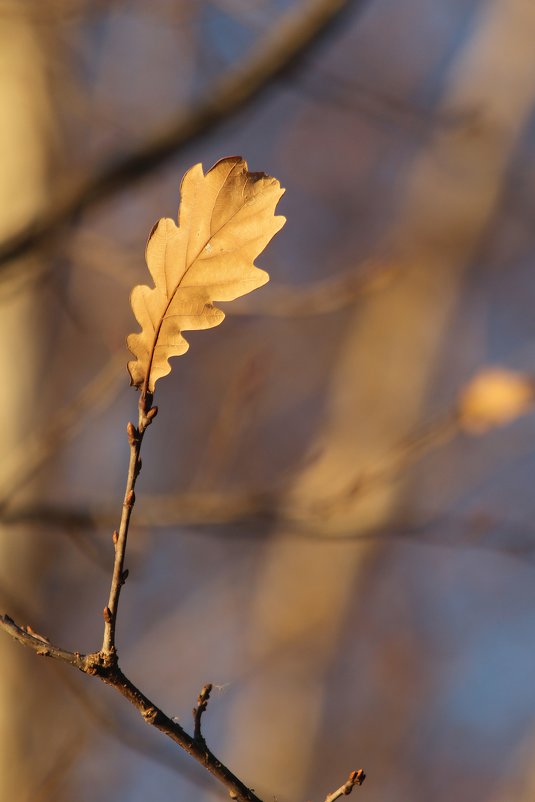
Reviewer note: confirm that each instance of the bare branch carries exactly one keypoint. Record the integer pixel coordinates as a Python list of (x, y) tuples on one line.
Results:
[(355, 778), (188, 507), (120, 537), (202, 704), (297, 32), (104, 718), (319, 297), (106, 668), (323, 297), (445, 530), (40, 644)]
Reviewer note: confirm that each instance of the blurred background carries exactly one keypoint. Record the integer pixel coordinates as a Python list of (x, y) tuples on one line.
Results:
[(334, 517)]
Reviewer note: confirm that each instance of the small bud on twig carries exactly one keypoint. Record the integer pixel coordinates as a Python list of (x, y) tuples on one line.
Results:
[(145, 402), (202, 704), (107, 615), (124, 576), (115, 537), (147, 418), (36, 635), (132, 433), (151, 414), (355, 778)]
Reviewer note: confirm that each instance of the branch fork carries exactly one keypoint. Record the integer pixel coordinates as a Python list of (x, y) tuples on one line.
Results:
[(104, 664)]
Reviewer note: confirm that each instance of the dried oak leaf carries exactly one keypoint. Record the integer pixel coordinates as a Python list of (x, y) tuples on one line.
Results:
[(225, 220)]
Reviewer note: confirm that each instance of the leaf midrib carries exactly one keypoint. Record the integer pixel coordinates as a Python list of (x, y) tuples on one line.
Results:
[(184, 274)]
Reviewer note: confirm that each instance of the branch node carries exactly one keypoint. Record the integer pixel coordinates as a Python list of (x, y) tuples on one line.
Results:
[(145, 403), (150, 715)]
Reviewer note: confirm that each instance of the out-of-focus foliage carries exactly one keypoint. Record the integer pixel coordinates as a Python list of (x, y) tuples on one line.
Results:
[(495, 397)]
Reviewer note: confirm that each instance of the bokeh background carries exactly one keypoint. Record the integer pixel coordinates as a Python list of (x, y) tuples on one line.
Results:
[(334, 524)]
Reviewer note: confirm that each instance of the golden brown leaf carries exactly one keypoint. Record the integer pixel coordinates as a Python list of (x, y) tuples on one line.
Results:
[(225, 220), (494, 397)]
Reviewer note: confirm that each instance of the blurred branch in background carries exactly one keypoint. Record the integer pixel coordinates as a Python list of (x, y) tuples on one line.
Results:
[(22, 462), (50, 785), (53, 12), (318, 298), (341, 92), (295, 34), (248, 517), (493, 398), (88, 251)]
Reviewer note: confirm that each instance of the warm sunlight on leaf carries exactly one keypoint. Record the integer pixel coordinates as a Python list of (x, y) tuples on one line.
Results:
[(226, 219), (495, 397)]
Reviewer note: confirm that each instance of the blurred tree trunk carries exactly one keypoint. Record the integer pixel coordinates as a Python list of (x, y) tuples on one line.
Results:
[(306, 592), (27, 731)]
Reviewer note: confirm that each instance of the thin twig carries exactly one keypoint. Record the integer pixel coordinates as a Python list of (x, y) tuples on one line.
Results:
[(317, 297), (40, 645), (202, 704), (105, 664), (355, 778), (106, 720), (147, 413), (106, 668)]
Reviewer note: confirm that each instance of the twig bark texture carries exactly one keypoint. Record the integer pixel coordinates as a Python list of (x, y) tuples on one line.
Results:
[(120, 536)]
